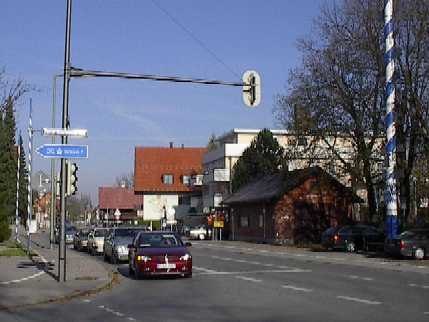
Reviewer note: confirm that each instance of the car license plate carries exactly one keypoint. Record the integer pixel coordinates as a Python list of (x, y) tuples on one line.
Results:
[(166, 266)]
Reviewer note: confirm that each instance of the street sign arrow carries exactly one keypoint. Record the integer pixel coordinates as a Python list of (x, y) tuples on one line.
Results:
[(63, 151)]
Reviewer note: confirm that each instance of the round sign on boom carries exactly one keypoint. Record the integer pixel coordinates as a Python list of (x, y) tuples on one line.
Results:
[(251, 88)]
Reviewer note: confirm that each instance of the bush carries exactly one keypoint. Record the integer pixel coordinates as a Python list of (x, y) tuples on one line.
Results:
[(156, 224), (5, 231)]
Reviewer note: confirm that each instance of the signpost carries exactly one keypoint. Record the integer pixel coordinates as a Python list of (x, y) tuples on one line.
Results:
[(77, 133), (63, 151)]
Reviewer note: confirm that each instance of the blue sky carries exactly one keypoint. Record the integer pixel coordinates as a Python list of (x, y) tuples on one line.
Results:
[(137, 37)]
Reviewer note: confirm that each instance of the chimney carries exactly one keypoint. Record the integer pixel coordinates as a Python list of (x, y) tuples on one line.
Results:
[(171, 145)]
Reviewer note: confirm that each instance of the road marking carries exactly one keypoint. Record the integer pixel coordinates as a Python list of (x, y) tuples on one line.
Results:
[(86, 301), (131, 319), (426, 313), (250, 279), (206, 271), (355, 299), (355, 277), (268, 265), (300, 289), (419, 286), (23, 279)]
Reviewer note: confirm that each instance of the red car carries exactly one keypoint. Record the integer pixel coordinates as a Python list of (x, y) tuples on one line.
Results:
[(159, 253)]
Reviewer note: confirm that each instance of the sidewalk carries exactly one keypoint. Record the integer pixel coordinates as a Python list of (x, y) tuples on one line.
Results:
[(38, 284), (333, 257)]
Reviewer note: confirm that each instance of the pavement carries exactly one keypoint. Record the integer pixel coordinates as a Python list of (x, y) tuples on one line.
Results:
[(26, 281), (235, 281)]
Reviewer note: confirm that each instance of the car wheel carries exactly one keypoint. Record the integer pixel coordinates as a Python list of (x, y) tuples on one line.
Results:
[(106, 259), (202, 236), (187, 275), (351, 247), (130, 270), (419, 253)]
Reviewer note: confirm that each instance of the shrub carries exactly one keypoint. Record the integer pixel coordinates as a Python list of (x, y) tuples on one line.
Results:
[(5, 231)]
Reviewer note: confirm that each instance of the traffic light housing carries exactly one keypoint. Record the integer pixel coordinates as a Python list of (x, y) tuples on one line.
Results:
[(71, 178), (251, 88)]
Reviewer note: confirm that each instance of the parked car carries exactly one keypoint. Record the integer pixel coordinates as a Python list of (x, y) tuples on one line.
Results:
[(96, 240), (116, 243), (200, 232), (159, 253), (80, 241), (353, 238), (411, 243), (70, 233)]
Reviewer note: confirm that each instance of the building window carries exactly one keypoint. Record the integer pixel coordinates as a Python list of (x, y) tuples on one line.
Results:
[(244, 221), (167, 179), (261, 221), (186, 180)]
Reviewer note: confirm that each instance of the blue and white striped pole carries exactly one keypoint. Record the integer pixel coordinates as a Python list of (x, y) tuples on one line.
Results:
[(30, 173), (390, 193), (17, 189)]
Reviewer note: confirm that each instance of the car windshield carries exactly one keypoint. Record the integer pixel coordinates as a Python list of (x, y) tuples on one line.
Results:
[(159, 240), (125, 232), (100, 232)]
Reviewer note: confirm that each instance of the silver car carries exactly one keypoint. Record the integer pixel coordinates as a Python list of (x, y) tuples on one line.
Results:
[(116, 243), (96, 240)]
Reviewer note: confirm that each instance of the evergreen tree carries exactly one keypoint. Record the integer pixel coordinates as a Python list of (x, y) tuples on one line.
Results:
[(11, 157), (264, 156), (23, 183)]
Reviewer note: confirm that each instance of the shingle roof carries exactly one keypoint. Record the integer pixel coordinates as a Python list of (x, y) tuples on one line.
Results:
[(151, 163), (118, 198), (274, 186)]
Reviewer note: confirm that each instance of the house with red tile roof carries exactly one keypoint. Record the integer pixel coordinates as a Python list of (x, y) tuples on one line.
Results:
[(165, 176), (121, 200)]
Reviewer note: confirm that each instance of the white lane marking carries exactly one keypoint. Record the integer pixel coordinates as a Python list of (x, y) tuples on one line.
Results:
[(101, 306), (206, 271), (268, 265), (426, 313), (295, 288), (355, 277), (118, 313), (422, 266), (131, 319), (250, 279), (355, 299), (263, 251), (22, 279), (86, 301), (240, 261), (419, 286)]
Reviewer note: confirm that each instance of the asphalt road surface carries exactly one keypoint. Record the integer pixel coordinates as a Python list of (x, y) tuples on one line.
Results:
[(234, 285)]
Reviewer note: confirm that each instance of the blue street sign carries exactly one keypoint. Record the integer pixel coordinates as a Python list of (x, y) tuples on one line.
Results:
[(63, 151)]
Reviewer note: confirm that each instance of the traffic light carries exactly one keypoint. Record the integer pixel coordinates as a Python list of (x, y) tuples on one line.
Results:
[(251, 88), (71, 178)]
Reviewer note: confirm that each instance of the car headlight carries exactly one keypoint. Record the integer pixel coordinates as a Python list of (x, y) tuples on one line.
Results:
[(122, 249), (185, 257), (144, 258)]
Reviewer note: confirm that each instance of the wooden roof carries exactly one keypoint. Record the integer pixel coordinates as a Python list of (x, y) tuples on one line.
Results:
[(273, 186)]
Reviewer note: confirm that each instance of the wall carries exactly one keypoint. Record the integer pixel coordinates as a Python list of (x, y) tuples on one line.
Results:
[(153, 205)]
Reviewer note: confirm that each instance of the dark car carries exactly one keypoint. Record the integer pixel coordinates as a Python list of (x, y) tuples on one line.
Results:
[(354, 237), (411, 243), (159, 253), (328, 237), (116, 243), (80, 241), (70, 233)]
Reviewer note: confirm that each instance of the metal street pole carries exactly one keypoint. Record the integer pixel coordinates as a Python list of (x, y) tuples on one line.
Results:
[(17, 189), (390, 193), (30, 174), (66, 83), (53, 180)]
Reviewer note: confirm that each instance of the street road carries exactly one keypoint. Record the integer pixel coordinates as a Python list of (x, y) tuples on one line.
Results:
[(232, 284)]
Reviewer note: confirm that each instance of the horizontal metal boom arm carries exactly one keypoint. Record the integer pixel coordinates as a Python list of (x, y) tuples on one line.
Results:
[(74, 72)]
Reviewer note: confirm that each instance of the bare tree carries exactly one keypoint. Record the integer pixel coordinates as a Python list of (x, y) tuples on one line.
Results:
[(125, 180), (339, 88)]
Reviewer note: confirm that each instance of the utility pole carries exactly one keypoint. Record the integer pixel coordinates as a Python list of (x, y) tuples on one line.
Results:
[(17, 190), (30, 174), (390, 193), (62, 249)]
